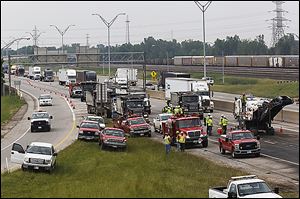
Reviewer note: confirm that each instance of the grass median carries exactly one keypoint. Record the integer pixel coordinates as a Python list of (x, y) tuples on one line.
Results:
[(9, 106), (83, 170)]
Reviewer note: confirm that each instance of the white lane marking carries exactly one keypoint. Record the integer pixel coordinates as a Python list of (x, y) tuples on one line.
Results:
[(16, 140), (270, 142)]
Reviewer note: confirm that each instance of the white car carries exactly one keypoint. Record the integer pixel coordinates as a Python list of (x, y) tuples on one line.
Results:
[(38, 155), (150, 86), (45, 99), (159, 119), (98, 119)]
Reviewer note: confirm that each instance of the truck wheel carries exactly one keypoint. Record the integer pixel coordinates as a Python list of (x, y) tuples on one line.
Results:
[(211, 111), (221, 149), (233, 155), (205, 144), (31, 129), (149, 134), (270, 131), (257, 155)]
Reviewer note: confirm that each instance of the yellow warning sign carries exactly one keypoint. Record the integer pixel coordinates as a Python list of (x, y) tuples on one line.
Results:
[(153, 74)]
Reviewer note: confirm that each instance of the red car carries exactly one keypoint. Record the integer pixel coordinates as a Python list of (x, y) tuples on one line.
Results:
[(239, 142), (89, 130), (134, 126), (112, 137)]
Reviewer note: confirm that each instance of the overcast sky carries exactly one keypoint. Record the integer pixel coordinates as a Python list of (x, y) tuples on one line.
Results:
[(180, 20)]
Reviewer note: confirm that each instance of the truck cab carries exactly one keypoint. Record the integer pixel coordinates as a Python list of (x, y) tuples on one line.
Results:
[(133, 126), (239, 142), (191, 126), (188, 101), (47, 75), (244, 187)]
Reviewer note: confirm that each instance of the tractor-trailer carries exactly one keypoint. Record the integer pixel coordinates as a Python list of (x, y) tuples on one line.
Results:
[(66, 76), (85, 75), (34, 72)]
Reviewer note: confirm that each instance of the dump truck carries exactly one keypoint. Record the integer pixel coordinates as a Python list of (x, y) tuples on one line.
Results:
[(259, 112)]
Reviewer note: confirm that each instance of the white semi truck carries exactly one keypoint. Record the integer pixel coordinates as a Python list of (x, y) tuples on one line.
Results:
[(66, 76), (125, 77), (34, 72), (244, 187), (174, 84)]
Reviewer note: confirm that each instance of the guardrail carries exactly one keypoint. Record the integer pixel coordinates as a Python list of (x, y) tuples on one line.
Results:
[(224, 105)]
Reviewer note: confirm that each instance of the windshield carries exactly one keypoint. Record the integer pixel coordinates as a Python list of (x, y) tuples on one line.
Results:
[(49, 73), (45, 97), (117, 133), (71, 77), (165, 117), (253, 188), (40, 115), (37, 72), (89, 125), (189, 123), (39, 150), (134, 104), (100, 120), (189, 99), (203, 93), (239, 136), (137, 121)]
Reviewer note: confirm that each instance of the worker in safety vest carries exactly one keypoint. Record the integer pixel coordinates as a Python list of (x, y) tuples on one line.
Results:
[(209, 123), (224, 125), (244, 101), (167, 140), (221, 120), (206, 118), (181, 141)]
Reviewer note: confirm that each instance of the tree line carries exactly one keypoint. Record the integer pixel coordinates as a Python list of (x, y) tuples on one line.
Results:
[(161, 49)]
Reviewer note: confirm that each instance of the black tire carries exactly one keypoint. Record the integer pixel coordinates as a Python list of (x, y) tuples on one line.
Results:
[(221, 149), (270, 131), (23, 168), (205, 144), (211, 111), (257, 155), (31, 129), (149, 134)]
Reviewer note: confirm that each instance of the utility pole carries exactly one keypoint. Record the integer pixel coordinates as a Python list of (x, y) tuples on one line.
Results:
[(203, 9), (87, 40), (35, 37), (127, 30)]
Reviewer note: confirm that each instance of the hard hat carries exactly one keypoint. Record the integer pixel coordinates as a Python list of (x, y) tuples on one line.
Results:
[(222, 115), (210, 116)]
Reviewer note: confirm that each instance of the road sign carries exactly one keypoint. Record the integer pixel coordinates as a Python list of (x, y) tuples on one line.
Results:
[(153, 74)]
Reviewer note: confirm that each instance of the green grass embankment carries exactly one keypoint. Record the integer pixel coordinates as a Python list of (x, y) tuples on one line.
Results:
[(83, 170), (9, 106)]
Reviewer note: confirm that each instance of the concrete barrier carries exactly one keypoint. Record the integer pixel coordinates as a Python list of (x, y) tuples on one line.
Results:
[(223, 105)]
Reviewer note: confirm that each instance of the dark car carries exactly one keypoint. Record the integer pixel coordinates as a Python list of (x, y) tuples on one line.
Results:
[(89, 130), (112, 137)]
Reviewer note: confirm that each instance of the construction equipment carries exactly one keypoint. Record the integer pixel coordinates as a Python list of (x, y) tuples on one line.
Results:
[(259, 112)]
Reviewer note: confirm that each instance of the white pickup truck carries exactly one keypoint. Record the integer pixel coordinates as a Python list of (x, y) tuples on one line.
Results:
[(244, 187)]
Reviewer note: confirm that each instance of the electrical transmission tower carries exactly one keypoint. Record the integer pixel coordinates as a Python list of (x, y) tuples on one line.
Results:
[(35, 36), (127, 30), (278, 23)]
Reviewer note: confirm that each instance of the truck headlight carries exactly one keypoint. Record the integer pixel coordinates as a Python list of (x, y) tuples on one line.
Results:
[(236, 146), (96, 133), (145, 115), (26, 159), (80, 132), (48, 161)]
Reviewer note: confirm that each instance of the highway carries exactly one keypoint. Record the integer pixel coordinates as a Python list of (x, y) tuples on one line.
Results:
[(274, 148)]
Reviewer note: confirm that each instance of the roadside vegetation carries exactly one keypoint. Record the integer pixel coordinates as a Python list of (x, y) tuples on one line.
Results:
[(83, 170), (9, 106)]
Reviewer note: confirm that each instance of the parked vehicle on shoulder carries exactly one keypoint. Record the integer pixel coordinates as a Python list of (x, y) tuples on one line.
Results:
[(239, 142), (244, 187), (40, 121), (98, 119), (159, 119), (150, 86), (38, 155), (112, 137), (133, 126), (45, 100), (89, 130)]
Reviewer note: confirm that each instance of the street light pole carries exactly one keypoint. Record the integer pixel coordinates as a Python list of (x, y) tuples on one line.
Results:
[(6, 47), (62, 35), (203, 9), (108, 24)]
